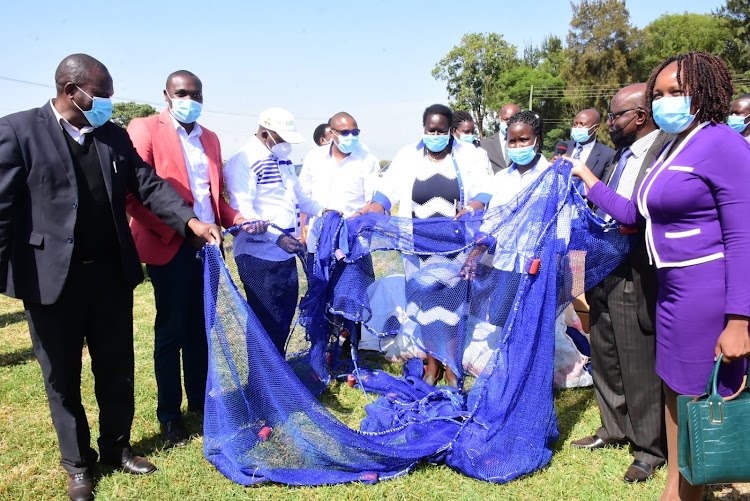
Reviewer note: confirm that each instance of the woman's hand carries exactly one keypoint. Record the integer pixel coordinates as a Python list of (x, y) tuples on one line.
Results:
[(469, 269), (734, 341), (581, 170)]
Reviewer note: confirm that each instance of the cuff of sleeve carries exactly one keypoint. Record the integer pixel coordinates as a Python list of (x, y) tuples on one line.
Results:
[(483, 198), (383, 200)]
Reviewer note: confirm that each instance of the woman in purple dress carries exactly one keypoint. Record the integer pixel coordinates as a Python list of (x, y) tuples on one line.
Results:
[(694, 204)]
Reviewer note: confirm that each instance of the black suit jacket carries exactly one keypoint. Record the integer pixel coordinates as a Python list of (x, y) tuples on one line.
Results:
[(495, 152), (599, 158), (38, 202), (635, 266)]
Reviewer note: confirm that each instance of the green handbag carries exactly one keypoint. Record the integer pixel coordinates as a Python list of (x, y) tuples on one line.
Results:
[(714, 435)]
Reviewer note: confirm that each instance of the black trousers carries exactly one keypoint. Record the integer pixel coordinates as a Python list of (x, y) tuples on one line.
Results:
[(180, 327), (96, 306)]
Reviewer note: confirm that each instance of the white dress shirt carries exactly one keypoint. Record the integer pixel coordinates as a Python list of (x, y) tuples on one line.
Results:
[(196, 163), (509, 182), (586, 150), (78, 135), (344, 186)]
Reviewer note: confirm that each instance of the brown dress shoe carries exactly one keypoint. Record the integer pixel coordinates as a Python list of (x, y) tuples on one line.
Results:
[(80, 486), (638, 471), (593, 442), (135, 465)]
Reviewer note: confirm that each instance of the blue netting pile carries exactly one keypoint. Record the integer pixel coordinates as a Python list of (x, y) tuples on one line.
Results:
[(531, 257)]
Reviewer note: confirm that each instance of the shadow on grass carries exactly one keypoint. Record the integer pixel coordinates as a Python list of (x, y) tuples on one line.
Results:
[(17, 357), (12, 317), (570, 405)]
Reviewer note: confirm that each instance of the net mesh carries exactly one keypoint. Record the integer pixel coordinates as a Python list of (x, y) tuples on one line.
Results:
[(482, 295)]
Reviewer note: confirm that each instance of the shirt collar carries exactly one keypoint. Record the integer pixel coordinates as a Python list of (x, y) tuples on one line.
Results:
[(75, 132), (642, 145), (540, 164), (196, 132), (586, 146)]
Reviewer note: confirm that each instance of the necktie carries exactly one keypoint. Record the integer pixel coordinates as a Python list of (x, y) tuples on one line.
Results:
[(614, 180), (577, 152)]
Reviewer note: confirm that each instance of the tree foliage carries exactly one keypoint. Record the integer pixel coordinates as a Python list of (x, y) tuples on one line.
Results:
[(471, 70), (123, 113), (737, 15)]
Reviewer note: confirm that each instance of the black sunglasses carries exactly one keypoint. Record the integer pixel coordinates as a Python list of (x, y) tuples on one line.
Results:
[(353, 132), (617, 114)]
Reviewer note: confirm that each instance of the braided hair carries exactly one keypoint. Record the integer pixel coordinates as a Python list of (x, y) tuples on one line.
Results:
[(461, 116), (706, 80), (536, 122)]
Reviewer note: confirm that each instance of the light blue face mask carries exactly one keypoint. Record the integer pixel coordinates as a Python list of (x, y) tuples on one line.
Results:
[(348, 143), (467, 138), (185, 111), (436, 143), (100, 112), (737, 122), (672, 114), (580, 134), (504, 128), (523, 155)]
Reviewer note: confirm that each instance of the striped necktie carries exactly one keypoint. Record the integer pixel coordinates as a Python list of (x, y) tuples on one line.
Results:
[(577, 152)]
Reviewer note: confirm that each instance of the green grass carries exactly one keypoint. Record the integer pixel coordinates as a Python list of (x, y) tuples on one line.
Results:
[(29, 459)]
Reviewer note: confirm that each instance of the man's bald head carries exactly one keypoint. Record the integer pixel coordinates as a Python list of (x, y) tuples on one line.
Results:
[(629, 119), (589, 117), (508, 111), (78, 69), (631, 96), (338, 117)]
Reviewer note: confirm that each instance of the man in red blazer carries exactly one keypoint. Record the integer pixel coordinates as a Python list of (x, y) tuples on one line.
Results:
[(188, 156)]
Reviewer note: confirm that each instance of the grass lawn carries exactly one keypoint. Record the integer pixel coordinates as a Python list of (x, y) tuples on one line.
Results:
[(29, 459)]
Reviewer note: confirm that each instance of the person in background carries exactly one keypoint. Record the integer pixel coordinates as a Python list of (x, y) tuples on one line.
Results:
[(188, 156), (739, 115), (436, 177), (262, 185), (496, 145), (584, 144), (694, 208), (66, 250), (322, 135), (463, 129), (622, 307)]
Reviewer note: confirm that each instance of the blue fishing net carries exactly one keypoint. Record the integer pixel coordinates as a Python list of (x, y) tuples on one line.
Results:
[(482, 295)]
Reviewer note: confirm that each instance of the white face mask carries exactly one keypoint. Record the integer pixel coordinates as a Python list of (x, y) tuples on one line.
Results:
[(280, 150)]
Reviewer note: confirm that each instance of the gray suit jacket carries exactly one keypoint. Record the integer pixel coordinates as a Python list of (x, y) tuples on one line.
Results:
[(599, 158), (39, 202), (495, 153)]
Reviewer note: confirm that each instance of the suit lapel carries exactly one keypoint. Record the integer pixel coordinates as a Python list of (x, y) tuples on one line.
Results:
[(496, 145), (213, 173), (661, 140), (170, 138), (105, 160), (55, 133)]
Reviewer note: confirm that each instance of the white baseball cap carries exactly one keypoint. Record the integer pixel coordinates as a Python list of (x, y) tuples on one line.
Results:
[(282, 123)]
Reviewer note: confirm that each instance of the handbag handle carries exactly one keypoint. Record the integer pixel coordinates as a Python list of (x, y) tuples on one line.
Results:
[(715, 401)]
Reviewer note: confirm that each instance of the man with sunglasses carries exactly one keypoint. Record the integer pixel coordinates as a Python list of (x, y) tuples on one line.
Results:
[(339, 176), (584, 145), (622, 307)]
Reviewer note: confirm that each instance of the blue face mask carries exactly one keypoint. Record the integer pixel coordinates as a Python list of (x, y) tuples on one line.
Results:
[(467, 138), (347, 143), (580, 134), (504, 128), (523, 155), (100, 112), (436, 143), (185, 111), (737, 122), (672, 114)]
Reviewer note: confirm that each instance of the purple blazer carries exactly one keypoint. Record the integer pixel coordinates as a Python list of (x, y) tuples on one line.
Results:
[(695, 205)]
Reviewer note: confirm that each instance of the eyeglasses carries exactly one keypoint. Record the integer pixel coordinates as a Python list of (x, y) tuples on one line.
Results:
[(353, 132), (617, 114)]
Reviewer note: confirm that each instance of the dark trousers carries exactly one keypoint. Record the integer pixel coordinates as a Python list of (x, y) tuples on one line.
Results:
[(179, 327), (96, 306), (623, 366), (272, 289)]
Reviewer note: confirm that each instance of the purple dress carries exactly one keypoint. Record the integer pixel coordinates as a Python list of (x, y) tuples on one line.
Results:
[(695, 206)]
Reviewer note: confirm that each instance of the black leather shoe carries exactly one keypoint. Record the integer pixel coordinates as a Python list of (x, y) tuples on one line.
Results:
[(174, 433), (638, 471), (593, 442), (81, 487), (130, 463)]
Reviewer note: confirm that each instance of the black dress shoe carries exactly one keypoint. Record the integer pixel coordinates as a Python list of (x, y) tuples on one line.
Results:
[(80, 486), (135, 465), (594, 442), (174, 433), (638, 471)]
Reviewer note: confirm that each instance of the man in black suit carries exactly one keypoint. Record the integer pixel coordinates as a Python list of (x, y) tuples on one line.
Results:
[(622, 308), (584, 145), (67, 252), (496, 145)]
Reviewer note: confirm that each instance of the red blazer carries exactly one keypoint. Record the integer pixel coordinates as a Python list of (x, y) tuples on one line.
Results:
[(156, 141)]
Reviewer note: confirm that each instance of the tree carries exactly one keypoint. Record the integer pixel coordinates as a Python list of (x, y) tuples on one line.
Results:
[(471, 70), (602, 47), (123, 113), (673, 34), (515, 86)]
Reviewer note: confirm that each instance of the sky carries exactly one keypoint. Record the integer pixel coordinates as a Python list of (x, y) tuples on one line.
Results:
[(372, 59)]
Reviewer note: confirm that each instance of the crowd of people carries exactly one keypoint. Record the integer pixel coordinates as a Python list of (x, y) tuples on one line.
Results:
[(68, 176)]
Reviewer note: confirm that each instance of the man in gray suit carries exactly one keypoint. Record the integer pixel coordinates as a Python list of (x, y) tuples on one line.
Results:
[(584, 145), (622, 308), (495, 145)]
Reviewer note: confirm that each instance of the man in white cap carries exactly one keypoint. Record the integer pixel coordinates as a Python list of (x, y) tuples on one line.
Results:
[(262, 185)]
